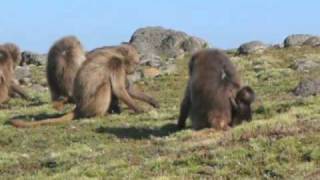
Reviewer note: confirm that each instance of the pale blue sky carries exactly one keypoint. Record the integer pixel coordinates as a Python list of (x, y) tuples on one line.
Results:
[(36, 24)]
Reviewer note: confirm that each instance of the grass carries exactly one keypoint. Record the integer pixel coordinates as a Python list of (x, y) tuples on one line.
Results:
[(282, 141)]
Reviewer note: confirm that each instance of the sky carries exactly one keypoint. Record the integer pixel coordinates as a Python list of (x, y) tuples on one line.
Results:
[(35, 24)]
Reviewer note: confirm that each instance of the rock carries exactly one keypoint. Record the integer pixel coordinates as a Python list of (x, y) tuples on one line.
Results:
[(278, 46), (170, 60), (167, 43), (159, 48), (25, 81), (169, 69), (33, 58), (313, 41), (38, 88), (151, 60), (151, 72), (305, 65), (193, 44), (252, 47), (307, 87), (296, 40), (22, 72)]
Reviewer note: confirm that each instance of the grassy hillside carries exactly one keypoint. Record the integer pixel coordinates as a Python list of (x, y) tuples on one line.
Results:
[(282, 141)]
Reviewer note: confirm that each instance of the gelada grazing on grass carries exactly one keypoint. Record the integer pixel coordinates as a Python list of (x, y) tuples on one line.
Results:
[(211, 91), (65, 58), (103, 74), (8, 85)]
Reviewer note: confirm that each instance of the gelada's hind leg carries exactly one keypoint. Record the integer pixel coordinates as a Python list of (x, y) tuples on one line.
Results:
[(97, 105)]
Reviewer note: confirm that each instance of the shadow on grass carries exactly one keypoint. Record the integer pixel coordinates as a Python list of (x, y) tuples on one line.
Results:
[(37, 117), (37, 103), (139, 132)]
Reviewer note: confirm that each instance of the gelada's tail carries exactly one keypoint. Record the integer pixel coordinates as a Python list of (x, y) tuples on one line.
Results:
[(19, 123)]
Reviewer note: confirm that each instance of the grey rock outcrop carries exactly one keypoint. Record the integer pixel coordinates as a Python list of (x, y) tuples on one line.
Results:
[(296, 40), (164, 43), (33, 58), (252, 47), (307, 87), (159, 48), (313, 41), (305, 65)]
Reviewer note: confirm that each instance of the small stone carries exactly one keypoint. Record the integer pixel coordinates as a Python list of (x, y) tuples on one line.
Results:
[(25, 81), (169, 69), (38, 88)]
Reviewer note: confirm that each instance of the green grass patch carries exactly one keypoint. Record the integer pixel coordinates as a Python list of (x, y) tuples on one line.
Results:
[(282, 141)]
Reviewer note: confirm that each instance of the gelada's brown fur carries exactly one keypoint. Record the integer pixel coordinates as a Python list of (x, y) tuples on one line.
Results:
[(9, 55), (114, 107), (213, 82), (65, 58), (15, 53), (14, 50), (6, 74), (102, 74), (135, 93)]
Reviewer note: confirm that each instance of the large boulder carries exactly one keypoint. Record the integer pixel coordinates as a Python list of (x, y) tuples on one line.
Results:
[(313, 41), (159, 48), (165, 43), (306, 65), (252, 47), (296, 40), (33, 58), (307, 87)]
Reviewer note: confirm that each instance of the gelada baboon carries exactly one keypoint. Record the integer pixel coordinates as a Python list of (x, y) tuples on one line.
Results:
[(15, 53), (103, 74), (8, 85), (6, 74), (65, 58), (210, 91), (14, 50), (241, 109), (114, 105)]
